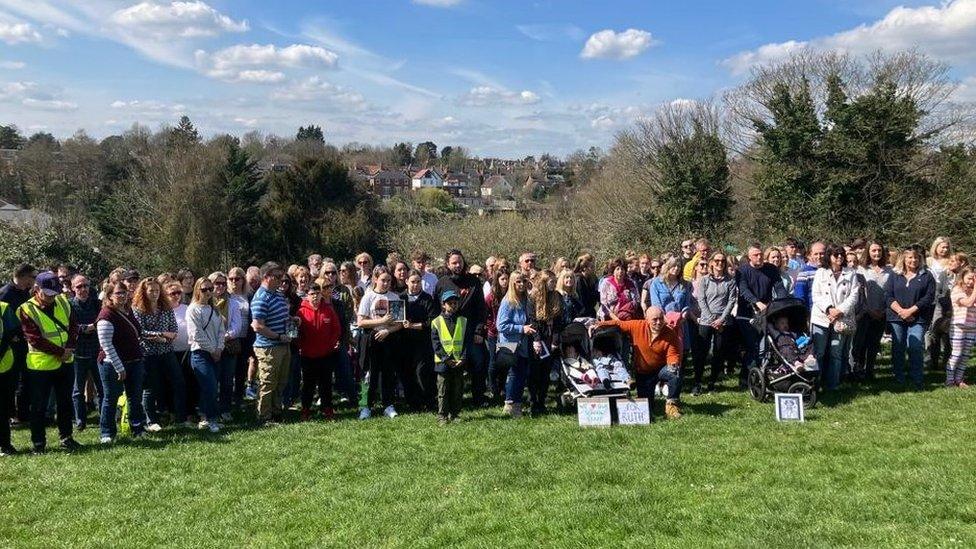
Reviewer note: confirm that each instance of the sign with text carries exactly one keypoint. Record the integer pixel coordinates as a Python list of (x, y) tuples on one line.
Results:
[(789, 407), (593, 412), (633, 411)]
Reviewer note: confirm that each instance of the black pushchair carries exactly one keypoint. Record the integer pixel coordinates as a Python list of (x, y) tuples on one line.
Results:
[(576, 367), (775, 374)]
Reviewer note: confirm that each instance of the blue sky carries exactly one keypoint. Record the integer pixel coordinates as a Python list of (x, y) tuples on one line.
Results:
[(500, 77)]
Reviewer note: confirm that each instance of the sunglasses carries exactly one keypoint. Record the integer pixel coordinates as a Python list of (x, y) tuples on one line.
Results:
[(80, 286), (220, 283), (329, 272), (206, 290), (120, 294), (175, 293), (234, 278)]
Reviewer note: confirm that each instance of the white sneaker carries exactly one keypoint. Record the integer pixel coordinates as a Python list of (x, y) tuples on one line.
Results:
[(204, 424), (364, 413), (390, 412), (106, 440), (154, 428)]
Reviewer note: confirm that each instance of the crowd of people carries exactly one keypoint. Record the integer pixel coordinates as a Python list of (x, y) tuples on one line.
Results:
[(192, 351)]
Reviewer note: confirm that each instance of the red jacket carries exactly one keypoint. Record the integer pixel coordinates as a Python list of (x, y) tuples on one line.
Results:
[(320, 329)]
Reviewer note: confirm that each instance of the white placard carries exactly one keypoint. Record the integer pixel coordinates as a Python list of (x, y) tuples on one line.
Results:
[(593, 412), (633, 411), (789, 407)]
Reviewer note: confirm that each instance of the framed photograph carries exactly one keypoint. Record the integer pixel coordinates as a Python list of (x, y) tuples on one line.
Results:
[(789, 407), (398, 310)]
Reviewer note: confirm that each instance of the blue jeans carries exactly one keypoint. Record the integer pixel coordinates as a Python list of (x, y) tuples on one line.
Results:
[(749, 338), (646, 382), (205, 370), (830, 349), (345, 380), (83, 367), (515, 383), (113, 389), (910, 337), (225, 382), (162, 370)]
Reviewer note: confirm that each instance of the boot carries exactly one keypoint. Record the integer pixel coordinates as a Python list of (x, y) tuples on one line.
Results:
[(516, 410), (672, 410)]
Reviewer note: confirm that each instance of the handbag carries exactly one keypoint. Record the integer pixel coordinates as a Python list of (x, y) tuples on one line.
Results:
[(841, 327)]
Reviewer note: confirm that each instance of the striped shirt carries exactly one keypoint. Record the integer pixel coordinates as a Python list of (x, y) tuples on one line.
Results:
[(271, 309)]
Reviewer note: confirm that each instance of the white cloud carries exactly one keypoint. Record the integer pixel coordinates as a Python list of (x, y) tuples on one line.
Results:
[(438, 3), (176, 19), (252, 63), (12, 65), (149, 108), (609, 44), (487, 96), (49, 104), (15, 32), (547, 32), (946, 31), (247, 122), (316, 89)]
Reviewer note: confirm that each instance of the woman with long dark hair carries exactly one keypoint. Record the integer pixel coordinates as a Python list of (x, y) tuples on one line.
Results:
[(120, 361), (379, 348), (871, 325), (158, 321), (496, 292)]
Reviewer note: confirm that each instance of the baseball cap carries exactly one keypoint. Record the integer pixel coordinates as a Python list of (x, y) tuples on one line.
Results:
[(48, 283), (449, 294)]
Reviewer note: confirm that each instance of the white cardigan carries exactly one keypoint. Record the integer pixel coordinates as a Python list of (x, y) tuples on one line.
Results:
[(828, 291)]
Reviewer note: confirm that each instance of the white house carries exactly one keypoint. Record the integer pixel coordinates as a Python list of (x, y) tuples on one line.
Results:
[(497, 186), (427, 178)]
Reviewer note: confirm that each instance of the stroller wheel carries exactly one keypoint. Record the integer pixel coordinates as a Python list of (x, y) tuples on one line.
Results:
[(808, 392), (757, 384)]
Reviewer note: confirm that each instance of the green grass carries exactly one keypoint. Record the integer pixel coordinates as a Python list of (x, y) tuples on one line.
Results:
[(870, 467)]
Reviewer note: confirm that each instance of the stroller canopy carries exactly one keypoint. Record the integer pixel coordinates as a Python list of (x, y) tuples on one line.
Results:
[(794, 309)]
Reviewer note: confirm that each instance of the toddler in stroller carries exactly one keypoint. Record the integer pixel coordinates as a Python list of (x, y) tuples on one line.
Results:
[(607, 364), (786, 362), (795, 349)]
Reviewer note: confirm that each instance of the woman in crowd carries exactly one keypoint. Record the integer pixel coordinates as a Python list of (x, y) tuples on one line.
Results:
[(673, 295), (548, 323), (237, 288), (379, 348), (206, 334), (618, 296), (185, 278), (586, 282), (303, 279), (400, 273), (937, 336), (871, 324), (120, 361), (774, 256), (572, 306), (910, 298), (159, 329), (343, 302), (293, 386), (417, 367), (836, 291), (962, 332), (716, 295), (364, 265), (515, 337), (319, 336), (230, 313), (493, 299), (181, 348)]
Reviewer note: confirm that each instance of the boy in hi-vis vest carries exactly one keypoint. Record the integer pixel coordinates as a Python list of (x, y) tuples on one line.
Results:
[(450, 357)]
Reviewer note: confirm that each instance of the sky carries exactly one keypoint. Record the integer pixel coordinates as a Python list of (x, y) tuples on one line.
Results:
[(503, 78)]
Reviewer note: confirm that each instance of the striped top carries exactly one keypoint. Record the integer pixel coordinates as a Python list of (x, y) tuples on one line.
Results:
[(962, 316), (271, 309)]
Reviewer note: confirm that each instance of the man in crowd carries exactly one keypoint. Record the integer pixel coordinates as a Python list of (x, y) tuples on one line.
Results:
[(85, 305), (803, 289), (14, 294), (51, 331), (527, 265), (8, 327), (687, 252), (314, 265), (471, 305), (656, 356), (757, 282), (420, 261), (269, 318), (702, 250)]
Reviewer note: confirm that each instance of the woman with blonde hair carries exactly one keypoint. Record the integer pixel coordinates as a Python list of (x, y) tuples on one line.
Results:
[(230, 311), (548, 324), (161, 369), (910, 299), (515, 335), (937, 337), (775, 257), (205, 332), (962, 332)]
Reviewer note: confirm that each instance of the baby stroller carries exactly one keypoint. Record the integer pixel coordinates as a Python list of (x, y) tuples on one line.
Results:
[(764, 380), (576, 369)]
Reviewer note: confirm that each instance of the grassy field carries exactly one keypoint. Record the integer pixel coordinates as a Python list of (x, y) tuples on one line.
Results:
[(870, 467)]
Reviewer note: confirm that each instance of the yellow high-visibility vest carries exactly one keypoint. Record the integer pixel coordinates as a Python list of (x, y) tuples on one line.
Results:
[(38, 360), (453, 343), (7, 360)]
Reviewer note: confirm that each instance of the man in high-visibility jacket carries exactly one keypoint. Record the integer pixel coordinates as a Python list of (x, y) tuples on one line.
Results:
[(51, 332), (447, 333), (8, 329)]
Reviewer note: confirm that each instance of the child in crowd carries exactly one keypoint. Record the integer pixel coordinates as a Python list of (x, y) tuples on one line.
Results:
[(607, 364), (447, 338), (795, 349)]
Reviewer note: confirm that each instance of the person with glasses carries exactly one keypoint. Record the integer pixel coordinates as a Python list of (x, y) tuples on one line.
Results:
[(86, 307), (687, 252), (703, 249), (181, 349), (120, 362), (364, 264), (206, 332), (716, 295), (230, 311), (836, 295), (344, 305), (269, 318), (527, 265), (160, 366), (237, 289), (757, 282)]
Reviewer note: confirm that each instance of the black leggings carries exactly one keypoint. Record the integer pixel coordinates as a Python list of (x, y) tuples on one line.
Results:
[(317, 374), (721, 347), (381, 361)]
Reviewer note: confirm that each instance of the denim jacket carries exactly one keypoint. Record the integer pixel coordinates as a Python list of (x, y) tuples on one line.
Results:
[(510, 321)]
